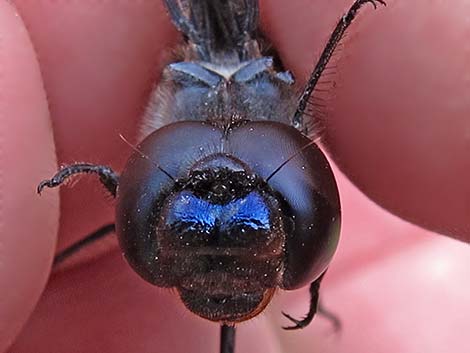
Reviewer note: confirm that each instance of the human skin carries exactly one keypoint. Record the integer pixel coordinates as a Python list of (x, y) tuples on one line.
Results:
[(399, 130)]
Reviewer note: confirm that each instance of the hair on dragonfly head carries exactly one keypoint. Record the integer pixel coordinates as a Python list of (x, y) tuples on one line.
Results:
[(283, 164), (143, 155)]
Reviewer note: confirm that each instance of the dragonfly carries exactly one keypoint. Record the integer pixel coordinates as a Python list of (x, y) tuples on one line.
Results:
[(227, 197)]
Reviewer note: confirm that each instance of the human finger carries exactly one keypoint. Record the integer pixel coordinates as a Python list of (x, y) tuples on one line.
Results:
[(28, 223)]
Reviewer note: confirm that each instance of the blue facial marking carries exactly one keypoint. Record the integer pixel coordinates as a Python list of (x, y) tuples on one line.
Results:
[(250, 211)]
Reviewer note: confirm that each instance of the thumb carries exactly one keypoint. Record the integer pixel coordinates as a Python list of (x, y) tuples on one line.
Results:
[(28, 223)]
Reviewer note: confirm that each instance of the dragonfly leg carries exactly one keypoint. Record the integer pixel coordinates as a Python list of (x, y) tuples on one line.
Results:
[(107, 176), (100, 233), (335, 38), (315, 307), (227, 339)]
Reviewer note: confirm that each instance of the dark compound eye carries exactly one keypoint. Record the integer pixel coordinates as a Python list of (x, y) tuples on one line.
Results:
[(307, 189)]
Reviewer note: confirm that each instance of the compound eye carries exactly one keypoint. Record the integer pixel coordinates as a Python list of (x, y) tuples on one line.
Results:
[(164, 156), (306, 185)]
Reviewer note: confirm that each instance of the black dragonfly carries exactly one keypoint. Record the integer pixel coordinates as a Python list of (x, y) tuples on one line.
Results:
[(227, 198)]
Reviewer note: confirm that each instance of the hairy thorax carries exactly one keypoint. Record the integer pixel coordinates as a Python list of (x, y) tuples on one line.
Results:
[(221, 91)]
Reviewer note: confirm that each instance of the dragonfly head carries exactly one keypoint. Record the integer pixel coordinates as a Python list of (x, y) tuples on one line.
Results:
[(200, 210)]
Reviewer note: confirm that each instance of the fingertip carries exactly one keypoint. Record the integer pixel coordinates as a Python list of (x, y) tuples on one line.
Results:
[(400, 124), (28, 223)]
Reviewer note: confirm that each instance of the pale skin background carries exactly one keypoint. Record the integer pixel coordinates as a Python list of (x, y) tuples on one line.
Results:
[(400, 129)]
